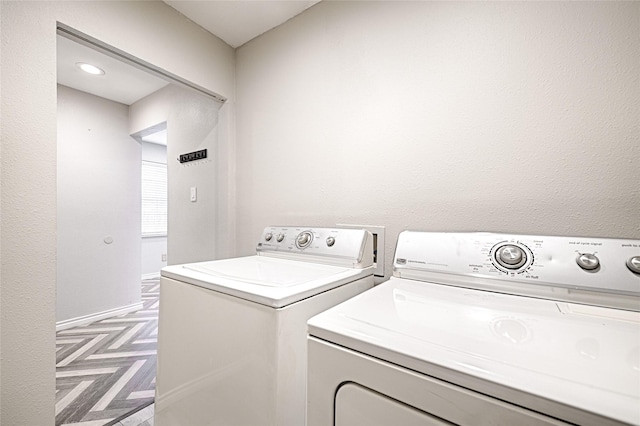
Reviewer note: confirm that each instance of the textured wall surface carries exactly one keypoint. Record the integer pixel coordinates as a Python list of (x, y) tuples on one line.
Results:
[(518, 117), (28, 256), (151, 31)]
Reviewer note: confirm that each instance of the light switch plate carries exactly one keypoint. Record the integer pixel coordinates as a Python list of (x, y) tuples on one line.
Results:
[(194, 194)]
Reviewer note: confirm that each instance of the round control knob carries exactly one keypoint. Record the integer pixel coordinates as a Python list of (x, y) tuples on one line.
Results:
[(268, 236), (511, 256), (633, 263), (588, 261), (280, 237), (304, 239), (331, 241)]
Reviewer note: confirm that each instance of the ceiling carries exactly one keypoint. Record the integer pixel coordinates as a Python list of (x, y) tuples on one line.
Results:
[(234, 21), (238, 21), (121, 82)]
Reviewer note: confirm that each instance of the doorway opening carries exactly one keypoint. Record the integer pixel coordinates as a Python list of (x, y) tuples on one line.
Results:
[(107, 302)]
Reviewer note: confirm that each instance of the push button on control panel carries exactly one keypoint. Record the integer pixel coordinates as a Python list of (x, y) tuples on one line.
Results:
[(588, 261), (633, 263)]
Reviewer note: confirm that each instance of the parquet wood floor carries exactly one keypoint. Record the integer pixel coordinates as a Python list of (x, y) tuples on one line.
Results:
[(107, 369)]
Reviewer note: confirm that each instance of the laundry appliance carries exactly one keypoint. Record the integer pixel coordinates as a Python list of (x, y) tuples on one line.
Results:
[(485, 329), (232, 333)]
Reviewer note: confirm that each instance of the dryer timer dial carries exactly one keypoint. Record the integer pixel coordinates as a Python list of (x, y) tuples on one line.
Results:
[(303, 240), (511, 256)]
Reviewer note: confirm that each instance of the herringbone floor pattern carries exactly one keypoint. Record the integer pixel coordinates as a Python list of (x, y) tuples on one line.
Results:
[(107, 369)]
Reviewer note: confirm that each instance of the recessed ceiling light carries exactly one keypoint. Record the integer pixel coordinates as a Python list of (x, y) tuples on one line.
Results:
[(91, 69)]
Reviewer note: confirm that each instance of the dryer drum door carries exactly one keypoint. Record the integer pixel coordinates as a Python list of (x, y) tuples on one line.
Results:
[(358, 405), (346, 387)]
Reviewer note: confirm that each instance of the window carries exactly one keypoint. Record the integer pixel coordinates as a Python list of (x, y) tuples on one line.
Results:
[(154, 199)]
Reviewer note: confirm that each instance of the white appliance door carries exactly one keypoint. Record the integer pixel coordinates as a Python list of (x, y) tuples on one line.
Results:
[(266, 272), (357, 405), (269, 281), (353, 389)]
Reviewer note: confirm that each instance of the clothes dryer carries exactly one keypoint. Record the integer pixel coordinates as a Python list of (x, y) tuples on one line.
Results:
[(232, 333), (485, 329)]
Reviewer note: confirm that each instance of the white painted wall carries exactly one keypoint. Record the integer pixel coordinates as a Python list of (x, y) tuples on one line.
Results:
[(519, 117), (150, 113), (154, 152), (193, 123), (192, 126), (152, 248), (98, 201), (151, 31)]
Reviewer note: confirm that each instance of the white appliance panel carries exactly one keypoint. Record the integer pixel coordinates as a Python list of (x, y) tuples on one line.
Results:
[(266, 272), (511, 341), (550, 268), (232, 333), (413, 396), (223, 360), (358, 405), (512, 329), (338, 246), (269, 281)]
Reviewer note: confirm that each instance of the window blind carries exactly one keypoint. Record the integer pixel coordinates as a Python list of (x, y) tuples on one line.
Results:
[(154, 199)]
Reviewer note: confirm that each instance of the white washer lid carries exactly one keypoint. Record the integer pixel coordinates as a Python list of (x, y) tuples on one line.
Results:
[(269, 281), (583, 357)]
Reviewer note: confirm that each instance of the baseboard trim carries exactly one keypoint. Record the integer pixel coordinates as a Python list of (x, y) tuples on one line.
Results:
[(151, 276), (87, 319)]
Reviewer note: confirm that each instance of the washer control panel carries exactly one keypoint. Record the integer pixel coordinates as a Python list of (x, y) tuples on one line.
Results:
[(354, 245), (574, 264)]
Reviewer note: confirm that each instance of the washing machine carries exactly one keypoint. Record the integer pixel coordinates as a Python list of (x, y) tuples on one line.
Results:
[(232, 333), (485, 329)]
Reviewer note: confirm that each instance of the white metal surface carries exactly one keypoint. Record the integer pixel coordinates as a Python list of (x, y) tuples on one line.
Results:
[(351, 248), (269, 281), (282, 273), (232, 333), (570, 361), (551, 270), (413, 398)]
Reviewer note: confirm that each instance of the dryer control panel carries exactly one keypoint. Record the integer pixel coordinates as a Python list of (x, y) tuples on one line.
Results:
[(599, 271), (340, 246)]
